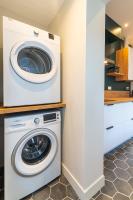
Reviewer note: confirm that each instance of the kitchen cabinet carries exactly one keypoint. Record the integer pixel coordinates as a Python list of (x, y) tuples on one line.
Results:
[(124, 60), (118, 124)]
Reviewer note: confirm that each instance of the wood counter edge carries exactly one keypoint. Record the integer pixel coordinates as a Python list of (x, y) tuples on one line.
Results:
[(20, 109), (118, 101)]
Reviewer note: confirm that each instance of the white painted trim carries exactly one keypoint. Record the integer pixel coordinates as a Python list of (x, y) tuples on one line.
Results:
[(84, 194)]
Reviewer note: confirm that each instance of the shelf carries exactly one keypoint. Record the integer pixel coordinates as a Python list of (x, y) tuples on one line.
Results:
[(11, 110), (115, 74)]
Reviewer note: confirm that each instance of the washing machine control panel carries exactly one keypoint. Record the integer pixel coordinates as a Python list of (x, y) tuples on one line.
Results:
[(51, 117)]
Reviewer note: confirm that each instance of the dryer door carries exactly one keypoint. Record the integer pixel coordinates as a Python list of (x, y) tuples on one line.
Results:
[(33, 61), (34, 152)]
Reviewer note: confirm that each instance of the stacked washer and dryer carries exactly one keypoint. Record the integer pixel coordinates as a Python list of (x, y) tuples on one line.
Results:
[(31, 76)]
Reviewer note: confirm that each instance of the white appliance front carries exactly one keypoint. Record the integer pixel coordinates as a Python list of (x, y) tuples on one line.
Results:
[(32, 153), (31, 59)]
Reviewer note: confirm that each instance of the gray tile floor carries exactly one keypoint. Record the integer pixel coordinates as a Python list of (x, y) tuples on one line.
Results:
[(118, 171), (59, 189)]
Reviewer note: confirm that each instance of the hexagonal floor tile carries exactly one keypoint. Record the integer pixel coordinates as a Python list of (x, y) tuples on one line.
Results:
[(26, 198), (123, 146), (123, 187), (103, 197), (58, 192), (109, 175), (71, 193), (120, 150), (128, 149), (108, 189), (55, 181), (121, 164), (64, 180), (96, 195), (131, 182), (109, 164), (110, 156), (130, 171), (119, 196), (120, 156), (122, 174), (42, 194), (129, 162), (129, 155)]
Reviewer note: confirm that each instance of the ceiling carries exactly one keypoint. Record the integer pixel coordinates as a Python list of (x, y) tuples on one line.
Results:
[(122, 12), (38, 12)]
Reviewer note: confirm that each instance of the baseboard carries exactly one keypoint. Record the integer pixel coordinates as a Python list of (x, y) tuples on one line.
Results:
[(84, 194)]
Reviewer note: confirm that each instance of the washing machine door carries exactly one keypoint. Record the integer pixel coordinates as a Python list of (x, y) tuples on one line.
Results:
[(34, 152), (33, 61)]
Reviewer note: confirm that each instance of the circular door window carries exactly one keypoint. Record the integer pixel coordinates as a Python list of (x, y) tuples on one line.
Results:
[(33, 61), (34, 152)]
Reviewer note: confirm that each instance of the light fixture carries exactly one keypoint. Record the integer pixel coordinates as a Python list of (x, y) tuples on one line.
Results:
[(117, 31), (126, 25)]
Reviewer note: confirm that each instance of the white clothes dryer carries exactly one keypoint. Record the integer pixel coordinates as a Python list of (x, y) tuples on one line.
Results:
[(31, 60), (32, 152)]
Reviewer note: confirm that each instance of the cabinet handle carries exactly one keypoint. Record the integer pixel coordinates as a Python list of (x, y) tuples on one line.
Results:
[(110, 104), (110, 127)]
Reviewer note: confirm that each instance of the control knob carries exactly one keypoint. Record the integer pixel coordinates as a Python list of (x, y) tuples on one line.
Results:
[(36, 120)]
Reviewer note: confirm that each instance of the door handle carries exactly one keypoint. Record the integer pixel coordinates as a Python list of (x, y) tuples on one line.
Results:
[(110, 127)]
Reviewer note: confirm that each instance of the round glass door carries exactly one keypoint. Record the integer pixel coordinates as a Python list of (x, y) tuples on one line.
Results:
[(34, 152), (36, 149), (33, 61)]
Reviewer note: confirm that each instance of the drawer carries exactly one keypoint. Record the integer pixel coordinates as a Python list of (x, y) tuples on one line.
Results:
[(117, 134), (113, 137), (117, 113)]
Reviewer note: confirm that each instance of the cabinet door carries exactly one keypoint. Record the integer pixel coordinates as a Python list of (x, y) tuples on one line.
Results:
[(130, 63), (122, 63), (129, 128), (117, 134)]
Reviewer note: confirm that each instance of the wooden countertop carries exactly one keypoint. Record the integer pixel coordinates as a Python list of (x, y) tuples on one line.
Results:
[(109, 101), (11, 110)]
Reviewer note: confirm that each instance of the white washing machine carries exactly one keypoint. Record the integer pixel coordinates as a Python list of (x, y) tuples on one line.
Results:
[(32, 152), (31, 60)]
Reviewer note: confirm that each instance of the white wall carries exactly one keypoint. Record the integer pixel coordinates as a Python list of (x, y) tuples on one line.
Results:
[(70, 25), (23, 18), (95, 42), (81, 27)]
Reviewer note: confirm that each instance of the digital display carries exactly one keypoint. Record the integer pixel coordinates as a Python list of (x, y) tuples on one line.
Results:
[(51, 116)]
